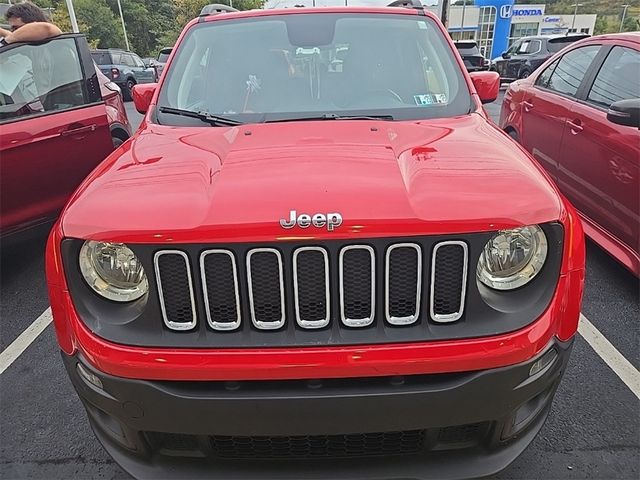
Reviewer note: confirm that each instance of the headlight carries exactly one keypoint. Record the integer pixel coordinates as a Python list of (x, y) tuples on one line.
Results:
[(113, 271), (512, 258)]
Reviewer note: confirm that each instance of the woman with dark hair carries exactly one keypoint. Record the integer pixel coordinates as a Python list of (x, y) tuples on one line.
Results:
[(28, 24)]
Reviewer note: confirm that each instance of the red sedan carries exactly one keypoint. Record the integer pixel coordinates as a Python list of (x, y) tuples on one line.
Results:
[(578, 115)]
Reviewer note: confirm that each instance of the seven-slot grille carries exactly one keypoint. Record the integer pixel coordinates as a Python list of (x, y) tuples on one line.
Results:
[(312, 290)]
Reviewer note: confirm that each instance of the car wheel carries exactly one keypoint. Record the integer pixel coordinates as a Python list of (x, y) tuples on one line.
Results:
[(524, 73), (128, 91), (513, 134)]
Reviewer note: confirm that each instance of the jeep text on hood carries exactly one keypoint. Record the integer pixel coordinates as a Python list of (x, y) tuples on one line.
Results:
[(317, 258)]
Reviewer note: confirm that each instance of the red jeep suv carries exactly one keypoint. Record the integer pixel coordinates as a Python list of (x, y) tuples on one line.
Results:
[(305, 266)]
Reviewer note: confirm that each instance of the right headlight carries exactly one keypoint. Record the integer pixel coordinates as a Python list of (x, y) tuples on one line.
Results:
[(113, 271), (512, 258)]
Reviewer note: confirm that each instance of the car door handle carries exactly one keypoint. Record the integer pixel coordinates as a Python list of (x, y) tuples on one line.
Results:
[(79, 130), (576, 126), (527, 106)]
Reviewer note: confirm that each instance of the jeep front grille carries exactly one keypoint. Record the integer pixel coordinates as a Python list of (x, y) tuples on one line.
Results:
[(320, 279)]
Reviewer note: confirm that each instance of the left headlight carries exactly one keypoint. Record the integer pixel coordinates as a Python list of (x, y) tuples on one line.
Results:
[(512, 258), (113, 271)]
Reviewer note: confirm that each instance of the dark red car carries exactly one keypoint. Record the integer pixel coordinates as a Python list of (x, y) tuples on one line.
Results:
[(579, 116), (59, 119), (300, 268)]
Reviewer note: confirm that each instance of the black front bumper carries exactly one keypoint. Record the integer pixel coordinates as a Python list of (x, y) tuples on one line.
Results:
[(415, 427)]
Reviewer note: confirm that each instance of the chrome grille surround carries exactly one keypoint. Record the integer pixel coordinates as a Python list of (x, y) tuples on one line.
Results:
[(170, 324), (412, 318), (222, 326), (301, 321), (256, 322), (365, 321), (450, 317)]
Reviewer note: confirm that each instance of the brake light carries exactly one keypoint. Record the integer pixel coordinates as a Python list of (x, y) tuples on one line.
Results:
[(115, 73)]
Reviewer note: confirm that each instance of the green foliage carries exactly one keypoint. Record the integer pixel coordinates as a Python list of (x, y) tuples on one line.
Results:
[(151, 24)]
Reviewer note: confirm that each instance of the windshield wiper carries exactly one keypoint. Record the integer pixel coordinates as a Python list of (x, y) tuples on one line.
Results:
[(333, 116), (204, 116)]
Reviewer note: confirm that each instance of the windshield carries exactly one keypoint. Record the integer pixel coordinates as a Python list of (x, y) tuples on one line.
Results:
[(163, 57), (299, 65), (468, 48)]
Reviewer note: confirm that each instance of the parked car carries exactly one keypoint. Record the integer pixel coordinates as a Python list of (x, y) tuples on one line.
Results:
[(579, 116), (160, 62), (116, 112), (473, 60), (295, 271), (125, 69), (528, 53), (58, 122)]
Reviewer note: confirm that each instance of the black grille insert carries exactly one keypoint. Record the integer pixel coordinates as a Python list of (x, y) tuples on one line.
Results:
[(311, 284), (175, 289), (310, 446), (266, 288), (448, 282), (220, 285), (357, 269), (404, 271)]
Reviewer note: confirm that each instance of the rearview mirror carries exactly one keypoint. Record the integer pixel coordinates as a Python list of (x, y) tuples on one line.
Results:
[(625, 112), (142, 95), (487, 85)]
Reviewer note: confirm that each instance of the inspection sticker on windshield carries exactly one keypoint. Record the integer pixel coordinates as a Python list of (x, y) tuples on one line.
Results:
[(428, 99)]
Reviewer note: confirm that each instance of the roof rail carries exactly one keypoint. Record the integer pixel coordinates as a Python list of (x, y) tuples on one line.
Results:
[(407, 4), (216, 8)]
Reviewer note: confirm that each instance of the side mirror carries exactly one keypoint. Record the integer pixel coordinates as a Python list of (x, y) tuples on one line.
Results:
[(505, 55), (625, 112), (142, 95), (487, 85), (147, 64)]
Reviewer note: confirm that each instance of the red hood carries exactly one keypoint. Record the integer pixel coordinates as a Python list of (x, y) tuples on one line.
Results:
[(385, 178)]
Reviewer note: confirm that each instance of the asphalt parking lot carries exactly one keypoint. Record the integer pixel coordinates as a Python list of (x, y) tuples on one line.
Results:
[(593, 430)]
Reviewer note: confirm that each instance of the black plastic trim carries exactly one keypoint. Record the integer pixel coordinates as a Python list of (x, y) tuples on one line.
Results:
[(507, 400)]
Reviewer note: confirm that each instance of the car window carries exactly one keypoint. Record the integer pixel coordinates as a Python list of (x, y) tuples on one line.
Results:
[(556, 44), (514, 48), (116, 59), (571, 68), (101, 58), (543, 78), (534, 46), (618, 78), (468, 48), (291, 66), (36, 79), (137, 61), (163, 57), (127, 60)]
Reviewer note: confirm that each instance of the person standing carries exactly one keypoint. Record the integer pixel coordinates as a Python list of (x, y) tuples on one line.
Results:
[(28, 24)]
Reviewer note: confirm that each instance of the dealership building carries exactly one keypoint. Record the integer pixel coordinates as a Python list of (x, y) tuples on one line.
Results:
[(496, 24)]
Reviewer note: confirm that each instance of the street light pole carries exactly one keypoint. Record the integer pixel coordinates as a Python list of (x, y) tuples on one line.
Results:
[(72, 17), (124, 29), (464, 5), (575, 12), (624, 14)]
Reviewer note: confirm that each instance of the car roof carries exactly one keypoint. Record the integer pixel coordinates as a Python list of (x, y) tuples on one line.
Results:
[(628, 36), (404, 10)]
